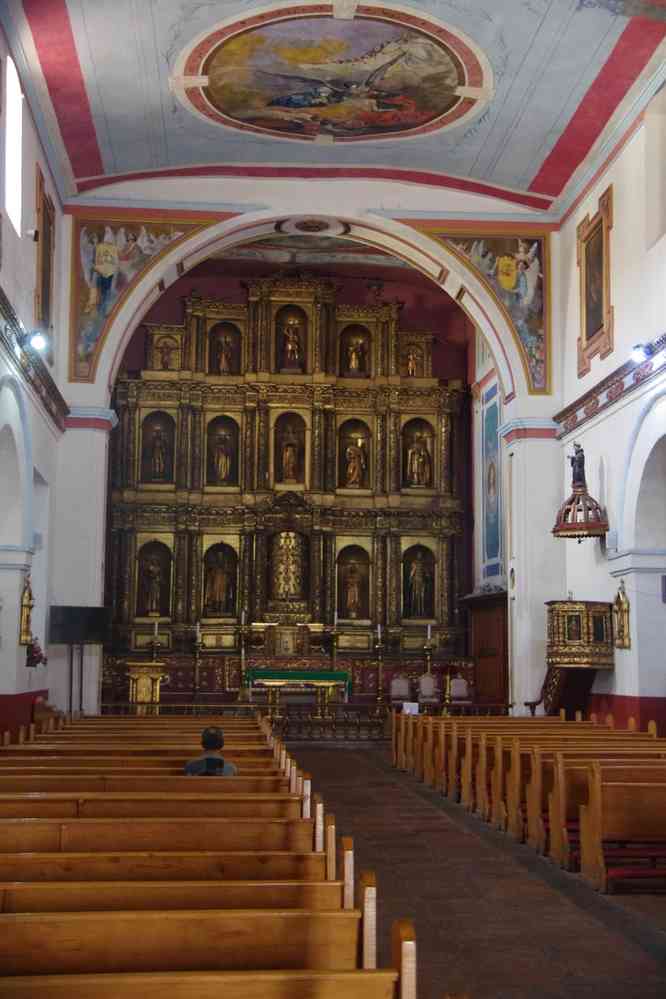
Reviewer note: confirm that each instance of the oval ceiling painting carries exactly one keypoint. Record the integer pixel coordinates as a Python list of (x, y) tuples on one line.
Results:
[(318, 77)]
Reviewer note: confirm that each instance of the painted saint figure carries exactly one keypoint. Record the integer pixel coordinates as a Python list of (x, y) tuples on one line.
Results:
[(152, 583), (355, 463), (158, 455), (577, 460), (356, 357), (352, 590), (222, 458), (217, 586), (418, 583), (289, 459), (419, 464), (412, 363), (224, 356), (291, 345)]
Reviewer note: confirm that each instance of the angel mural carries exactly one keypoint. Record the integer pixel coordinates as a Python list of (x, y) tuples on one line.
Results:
[(110, 257), (514, 267)]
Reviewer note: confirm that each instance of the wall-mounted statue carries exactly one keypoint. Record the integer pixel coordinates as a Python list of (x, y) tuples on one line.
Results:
[(355, 352), (166, 354), (154, 580), (289, 447), (417, 454), (354, 455), (354, 583), (222, 452), (157, 450), (220, 575), (418, 583), (224, 348), (291, 325)]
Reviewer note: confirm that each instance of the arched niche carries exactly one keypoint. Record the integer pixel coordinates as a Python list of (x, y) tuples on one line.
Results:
[(289, 449), (220, 581), (158, 439), (418, 455), (11, 517), (355, 352), (165, 354), (651, 506), (224, 349), (418, 583), (291, 340), (153, 584), (222, 452), (354, 583), (354, 455)]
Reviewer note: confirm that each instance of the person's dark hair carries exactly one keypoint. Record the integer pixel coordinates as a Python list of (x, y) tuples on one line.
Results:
[(212, 738)]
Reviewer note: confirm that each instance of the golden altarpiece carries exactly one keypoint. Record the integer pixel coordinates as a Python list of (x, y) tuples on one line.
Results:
[(283, 481)]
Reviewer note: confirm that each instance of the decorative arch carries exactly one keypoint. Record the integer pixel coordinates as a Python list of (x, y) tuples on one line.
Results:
[(418, 583), (647, 433), (16, 451), (220, 590), (433, 258), (153, 591), (353, 583)]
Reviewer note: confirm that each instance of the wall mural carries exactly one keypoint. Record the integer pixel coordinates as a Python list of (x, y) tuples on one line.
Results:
[(107, 257), (517, 270), (309, 76), (491, 483)]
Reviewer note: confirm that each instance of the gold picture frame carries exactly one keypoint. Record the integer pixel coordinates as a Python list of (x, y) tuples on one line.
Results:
[(593, 258)]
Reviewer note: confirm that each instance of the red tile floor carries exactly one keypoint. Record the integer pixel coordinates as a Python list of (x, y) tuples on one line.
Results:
[(492, 919)]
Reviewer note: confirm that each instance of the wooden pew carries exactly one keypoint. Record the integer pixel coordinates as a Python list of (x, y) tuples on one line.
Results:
[(204, 802), (103, 835), (92, 780), (247, 764), (71, 750), (622, 831)]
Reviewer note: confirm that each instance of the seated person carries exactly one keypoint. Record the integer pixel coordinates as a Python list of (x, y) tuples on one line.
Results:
[(211, 762)]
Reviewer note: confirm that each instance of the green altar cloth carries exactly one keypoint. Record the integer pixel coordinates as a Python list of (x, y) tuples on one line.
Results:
[(300, 676)]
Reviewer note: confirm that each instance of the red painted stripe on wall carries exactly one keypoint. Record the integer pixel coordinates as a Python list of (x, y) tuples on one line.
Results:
[(52, 33), (635, 47)]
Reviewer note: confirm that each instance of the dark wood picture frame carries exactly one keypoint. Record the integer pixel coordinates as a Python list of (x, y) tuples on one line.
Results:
[(45, 249), (596, 310)]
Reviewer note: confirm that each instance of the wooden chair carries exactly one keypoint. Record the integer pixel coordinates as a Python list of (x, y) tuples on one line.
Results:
[(399, 690), (428, 692)]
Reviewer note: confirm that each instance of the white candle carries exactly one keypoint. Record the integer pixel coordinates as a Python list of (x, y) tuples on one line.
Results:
[(155, 628), (379, 632), (429, 632), (335, 619), (198, 631), (243, 618)]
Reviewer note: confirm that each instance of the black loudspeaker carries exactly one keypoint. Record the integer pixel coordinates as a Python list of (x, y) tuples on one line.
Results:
[(79, 625)]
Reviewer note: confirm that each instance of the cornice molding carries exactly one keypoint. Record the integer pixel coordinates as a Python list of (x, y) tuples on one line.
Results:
[(527, 429), (91, 418), (619, 384), (27, 363)]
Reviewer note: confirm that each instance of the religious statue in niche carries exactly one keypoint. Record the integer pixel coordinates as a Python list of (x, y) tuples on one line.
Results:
[(158, 445), (154, 580), (166, 354), (354, 455), (417, 454), (224, 349), (418, 583), (621, 633), (355, 352), (289, 449), (27, 604), (220, 571), (353, 583), (412, 363), (288, 566), (291, 329), (222, 452)]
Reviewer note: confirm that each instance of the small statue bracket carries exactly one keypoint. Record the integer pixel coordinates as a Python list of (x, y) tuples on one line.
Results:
[(621, 608)]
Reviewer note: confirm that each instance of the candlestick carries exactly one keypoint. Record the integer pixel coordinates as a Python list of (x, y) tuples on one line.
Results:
[(429, 632), (335, 619), (379, 632), (155, 632), (198, 631), (243, 618)]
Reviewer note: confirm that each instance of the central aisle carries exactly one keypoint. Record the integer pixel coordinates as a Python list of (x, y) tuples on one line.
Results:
[(485, 923)]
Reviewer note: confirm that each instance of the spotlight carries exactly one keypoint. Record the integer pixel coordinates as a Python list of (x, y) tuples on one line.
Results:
[(641, 351), (38, 341)]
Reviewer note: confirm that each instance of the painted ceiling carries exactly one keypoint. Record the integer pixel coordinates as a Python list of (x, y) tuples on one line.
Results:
[(505, 98)]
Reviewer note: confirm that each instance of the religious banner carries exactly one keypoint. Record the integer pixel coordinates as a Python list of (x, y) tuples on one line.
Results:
[(108, 256), (516, 269)]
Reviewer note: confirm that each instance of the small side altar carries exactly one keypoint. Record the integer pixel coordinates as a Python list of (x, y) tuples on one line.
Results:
[(282, 681)]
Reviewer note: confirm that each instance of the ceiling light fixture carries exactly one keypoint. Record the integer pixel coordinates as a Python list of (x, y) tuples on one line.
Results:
[(641, 351), (38, 341)]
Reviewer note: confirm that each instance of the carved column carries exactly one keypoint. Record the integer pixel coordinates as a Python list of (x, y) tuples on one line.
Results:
[(394, 452), (183, 447), (317, 449), (128, 558), (447, 463), (394, 576), (444, 582), (262, 446), (117, 439), (246, 560), (329, 577), (315, 361), (259, 575), (316, 586), (379, 561), (380, 459), (200, 349), (195, 557), (264, 334), (130, 455), (196, 425), (330, 476), (249, 352), (248, 469), (180, 602)]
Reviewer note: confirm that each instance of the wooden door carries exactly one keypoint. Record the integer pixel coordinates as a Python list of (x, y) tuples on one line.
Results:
[(489, 647)]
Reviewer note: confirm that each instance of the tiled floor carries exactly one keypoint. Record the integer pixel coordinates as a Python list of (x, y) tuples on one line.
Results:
[(491, 918)]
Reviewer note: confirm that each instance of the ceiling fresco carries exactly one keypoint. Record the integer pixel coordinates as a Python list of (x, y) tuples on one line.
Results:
[(504, 98)]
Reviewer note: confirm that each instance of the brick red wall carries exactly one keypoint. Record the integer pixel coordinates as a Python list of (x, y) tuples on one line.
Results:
[(16, 710)]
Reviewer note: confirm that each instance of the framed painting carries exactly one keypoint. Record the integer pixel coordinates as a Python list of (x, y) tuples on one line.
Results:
[(596, 311)]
